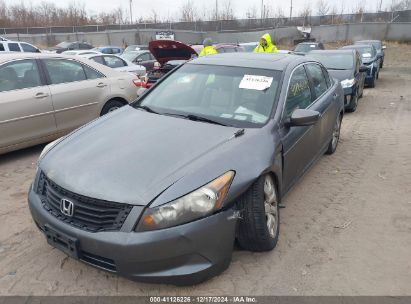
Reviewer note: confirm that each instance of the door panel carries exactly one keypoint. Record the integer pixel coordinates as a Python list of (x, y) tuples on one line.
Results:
[(76, 96), (323, 103), (26, 108), (299, 143)]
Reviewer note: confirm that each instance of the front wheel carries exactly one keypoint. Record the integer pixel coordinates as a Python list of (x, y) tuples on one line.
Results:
[(332, 146), (372, 83), (354, 102), (111, 106), (259, 227)]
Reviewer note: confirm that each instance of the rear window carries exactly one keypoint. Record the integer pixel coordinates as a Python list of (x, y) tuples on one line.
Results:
[(335, 61), (28, 48)]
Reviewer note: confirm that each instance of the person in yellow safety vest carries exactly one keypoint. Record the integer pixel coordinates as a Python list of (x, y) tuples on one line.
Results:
[(208, 48), (266, 45)]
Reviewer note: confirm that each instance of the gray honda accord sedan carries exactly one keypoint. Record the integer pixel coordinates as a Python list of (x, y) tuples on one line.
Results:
[(159, 190)]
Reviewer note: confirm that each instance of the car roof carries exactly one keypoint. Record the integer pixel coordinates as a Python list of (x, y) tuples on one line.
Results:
[(359, 41), (308, 42), (269, 61), (108, 46), (354, 46), (339, 51), (6, 57)]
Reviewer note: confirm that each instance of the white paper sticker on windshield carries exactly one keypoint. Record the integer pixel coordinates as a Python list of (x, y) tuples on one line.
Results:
[(254, 82), (366, 55), (312, 45)]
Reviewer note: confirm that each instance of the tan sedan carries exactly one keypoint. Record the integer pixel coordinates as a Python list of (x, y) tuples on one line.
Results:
[(45, 96)]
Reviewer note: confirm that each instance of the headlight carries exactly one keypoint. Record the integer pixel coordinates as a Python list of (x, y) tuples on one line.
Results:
[(197, 204), (347, 83)]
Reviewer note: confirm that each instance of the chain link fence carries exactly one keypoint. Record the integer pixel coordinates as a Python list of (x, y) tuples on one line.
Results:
[(223, 25)]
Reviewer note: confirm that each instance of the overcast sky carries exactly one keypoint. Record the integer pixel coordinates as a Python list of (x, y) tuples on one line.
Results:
[(170, 7)]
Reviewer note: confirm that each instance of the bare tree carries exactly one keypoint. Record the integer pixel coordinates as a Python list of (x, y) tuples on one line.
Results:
[(251, 12), (322, 7), (227, 13), (188, 12)]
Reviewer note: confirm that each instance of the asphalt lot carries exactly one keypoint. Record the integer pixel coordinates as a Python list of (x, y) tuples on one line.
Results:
[(346, 228)]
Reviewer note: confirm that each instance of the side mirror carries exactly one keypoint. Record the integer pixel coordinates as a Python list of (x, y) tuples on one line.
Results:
[(363, 69), (139, 60), (384, 47), (303, 117)]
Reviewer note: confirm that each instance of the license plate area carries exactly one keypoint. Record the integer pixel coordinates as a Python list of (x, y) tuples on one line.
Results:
[(62, 241)]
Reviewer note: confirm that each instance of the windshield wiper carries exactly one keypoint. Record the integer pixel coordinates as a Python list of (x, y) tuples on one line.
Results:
[(146, 108), (336, 69), (198, 118)]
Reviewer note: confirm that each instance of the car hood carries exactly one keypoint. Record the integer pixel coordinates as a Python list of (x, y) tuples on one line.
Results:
[(166, 50), (131, 156), (341, 74)]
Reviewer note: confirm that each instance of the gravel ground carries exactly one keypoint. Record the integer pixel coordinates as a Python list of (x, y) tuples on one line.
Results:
[(346, 228)]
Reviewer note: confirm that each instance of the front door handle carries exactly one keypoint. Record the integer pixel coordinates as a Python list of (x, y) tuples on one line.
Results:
[(335, 95), (41, 95), (101, 85)]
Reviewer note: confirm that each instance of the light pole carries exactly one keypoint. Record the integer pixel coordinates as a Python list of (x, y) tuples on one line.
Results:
[(131, 12), (291, 9), (262, 9)]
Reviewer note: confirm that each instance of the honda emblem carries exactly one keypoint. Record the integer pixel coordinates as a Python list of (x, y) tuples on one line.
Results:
[(67, 207)]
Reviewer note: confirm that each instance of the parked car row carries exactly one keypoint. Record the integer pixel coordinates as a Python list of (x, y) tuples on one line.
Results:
[(45, 96)]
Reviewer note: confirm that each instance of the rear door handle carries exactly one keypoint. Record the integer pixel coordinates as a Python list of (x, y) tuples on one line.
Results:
[(101, 85), (41, 95)]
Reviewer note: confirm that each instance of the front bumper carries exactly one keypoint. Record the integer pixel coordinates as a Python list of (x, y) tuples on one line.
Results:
[(182, 255)]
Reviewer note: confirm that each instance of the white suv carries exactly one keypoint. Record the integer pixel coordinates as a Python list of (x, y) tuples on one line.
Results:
[(16, 46)]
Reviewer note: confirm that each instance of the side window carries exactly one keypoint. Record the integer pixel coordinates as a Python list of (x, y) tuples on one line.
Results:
[(98, 59), (92, 74), (114, 62), (327, 77), (28, 48), (1, 47), (299, 93), (318, 80), (64, 71), (144, 57), (14, 47), (116, 51), (21, 74)]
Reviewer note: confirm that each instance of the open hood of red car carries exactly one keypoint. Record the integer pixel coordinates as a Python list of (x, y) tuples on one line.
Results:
[(166, 50)]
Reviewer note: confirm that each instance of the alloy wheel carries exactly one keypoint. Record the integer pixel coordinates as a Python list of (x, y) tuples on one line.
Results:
[(271, 206)]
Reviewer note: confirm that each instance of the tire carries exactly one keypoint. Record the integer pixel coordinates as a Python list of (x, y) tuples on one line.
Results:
[(381, 64), (353, 103), (332, 146), (362, 91), (260, 210), (111, 106), (372, 83)]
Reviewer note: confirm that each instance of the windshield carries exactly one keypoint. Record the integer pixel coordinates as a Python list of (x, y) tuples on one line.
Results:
[(64, 44), (376, 44), (130, 56), (365, 51), (235, 96), (305, 48), (249, 47), (335, 61)]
